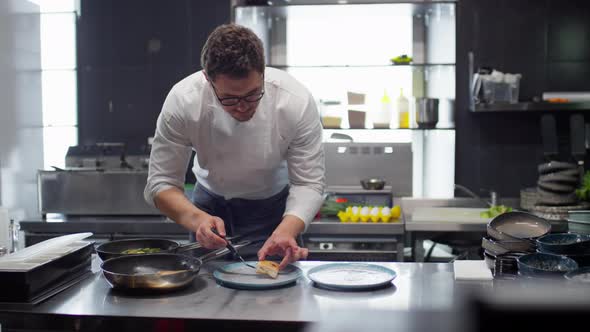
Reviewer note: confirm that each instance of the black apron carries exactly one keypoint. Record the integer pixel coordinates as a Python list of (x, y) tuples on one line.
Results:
[(243, 215)]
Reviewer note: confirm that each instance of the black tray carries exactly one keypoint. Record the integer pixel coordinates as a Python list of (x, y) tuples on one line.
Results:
[(48, 292), (26, 286)]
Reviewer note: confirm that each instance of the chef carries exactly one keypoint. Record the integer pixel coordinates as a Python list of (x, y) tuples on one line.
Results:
[(257, 139)]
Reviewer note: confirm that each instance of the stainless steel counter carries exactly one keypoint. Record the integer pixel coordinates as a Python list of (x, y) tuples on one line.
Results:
[(462, 234), (466, 234), (418, 288)]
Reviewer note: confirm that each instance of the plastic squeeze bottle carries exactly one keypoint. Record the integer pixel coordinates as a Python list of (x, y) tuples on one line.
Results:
[(383, 117), (403, 109)]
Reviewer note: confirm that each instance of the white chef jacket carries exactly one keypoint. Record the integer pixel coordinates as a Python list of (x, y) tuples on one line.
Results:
[(281, 144)]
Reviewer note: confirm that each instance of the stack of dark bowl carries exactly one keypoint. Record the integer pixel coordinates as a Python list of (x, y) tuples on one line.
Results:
[(557, 183), (510, 236), (543, 265), (573, 245)]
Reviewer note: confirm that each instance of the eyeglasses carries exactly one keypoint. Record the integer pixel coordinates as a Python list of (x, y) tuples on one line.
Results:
[(231, 101)]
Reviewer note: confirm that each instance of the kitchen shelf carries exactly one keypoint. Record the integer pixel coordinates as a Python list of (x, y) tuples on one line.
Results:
[(524, 106), (531, 107), (365, 66)]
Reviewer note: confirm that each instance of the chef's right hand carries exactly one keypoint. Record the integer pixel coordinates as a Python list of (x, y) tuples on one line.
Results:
[(205, 235)]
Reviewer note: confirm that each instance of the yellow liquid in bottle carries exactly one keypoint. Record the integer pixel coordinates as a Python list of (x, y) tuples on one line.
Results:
[(404, 120)]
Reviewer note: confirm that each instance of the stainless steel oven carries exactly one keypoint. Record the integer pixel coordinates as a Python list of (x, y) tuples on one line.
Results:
[(328, 239), (374, 248)]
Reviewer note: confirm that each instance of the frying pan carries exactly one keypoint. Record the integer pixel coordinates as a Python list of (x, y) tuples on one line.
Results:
[(114, 249), (157, 272)]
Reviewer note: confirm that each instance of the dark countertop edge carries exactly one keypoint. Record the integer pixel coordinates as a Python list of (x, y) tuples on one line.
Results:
[(10, 319)]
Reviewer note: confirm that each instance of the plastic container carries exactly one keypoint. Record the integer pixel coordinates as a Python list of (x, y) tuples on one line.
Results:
[(502, 92), (331, 122), (403, 109), (331, 114), (356, 119)]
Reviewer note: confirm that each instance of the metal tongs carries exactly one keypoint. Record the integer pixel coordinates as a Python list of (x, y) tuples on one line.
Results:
[(232, 249)]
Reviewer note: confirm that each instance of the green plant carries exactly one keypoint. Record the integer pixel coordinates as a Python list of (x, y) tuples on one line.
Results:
[(332, 205), (495, 211), (583, 192)]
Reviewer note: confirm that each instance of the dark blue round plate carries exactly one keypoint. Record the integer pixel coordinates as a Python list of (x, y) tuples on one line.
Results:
[(241, 276), (351, 276)]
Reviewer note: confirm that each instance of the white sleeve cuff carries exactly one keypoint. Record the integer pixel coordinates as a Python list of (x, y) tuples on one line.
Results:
[(303, 202), (150, 192)]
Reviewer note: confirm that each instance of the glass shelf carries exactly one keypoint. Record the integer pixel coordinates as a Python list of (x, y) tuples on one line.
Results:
[(340, 2), (363, 66), (531, 107), (353, 55)]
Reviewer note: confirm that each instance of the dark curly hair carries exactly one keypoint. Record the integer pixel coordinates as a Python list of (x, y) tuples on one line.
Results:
[(232, 50)]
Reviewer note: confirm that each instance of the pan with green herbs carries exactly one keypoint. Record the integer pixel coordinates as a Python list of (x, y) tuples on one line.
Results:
[(144, 246), (120, 248)]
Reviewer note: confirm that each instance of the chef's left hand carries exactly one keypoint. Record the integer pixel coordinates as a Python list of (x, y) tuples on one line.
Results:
[(283, 245)]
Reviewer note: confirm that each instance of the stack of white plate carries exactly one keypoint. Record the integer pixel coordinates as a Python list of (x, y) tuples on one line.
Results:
[(579, 221)]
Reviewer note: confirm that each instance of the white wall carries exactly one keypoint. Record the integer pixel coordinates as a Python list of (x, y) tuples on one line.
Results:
[(21, 120)]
